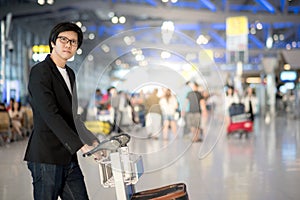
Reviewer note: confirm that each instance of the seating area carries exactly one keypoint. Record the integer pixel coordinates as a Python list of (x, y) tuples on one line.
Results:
[(7, 132)]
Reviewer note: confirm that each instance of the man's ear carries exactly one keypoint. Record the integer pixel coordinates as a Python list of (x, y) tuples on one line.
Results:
[(52, 45)]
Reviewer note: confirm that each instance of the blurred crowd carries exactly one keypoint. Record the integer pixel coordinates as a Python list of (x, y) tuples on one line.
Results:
[(16, 121), (158, 110)]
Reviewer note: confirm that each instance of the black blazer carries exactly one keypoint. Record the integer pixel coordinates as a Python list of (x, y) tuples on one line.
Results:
[(54, 139)]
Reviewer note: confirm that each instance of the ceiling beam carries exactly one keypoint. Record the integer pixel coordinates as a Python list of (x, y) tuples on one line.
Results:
[(266, 5)]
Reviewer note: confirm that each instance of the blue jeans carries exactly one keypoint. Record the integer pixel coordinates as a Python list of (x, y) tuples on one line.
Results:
[(53, 181)]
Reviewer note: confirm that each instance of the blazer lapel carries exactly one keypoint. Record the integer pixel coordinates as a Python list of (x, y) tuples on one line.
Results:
[(62, 81), (71, 77), (60, 78)]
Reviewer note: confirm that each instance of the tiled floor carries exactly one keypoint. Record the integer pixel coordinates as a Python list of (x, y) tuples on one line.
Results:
[(264, 166)]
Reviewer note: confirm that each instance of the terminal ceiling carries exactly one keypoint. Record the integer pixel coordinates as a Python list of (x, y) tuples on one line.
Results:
[(191, 17)]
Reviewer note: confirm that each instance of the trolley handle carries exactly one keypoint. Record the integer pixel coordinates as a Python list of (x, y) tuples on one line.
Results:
[(112, 144), (122, 138), (104, 145)]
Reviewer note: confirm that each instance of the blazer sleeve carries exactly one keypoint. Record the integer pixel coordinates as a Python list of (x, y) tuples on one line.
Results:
[(85, 135), (43, 97)]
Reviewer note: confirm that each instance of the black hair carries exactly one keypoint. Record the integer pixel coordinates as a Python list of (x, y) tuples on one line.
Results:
[(19, 106), (229, 87), (62, 27)]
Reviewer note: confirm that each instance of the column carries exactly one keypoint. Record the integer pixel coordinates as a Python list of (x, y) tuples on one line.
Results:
[(270, 64)]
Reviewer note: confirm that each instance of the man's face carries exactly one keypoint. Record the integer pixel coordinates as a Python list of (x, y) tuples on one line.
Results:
[(66, 45)]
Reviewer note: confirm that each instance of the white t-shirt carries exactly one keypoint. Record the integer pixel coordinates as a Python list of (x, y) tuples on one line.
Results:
[(63, 72), (168, 107)]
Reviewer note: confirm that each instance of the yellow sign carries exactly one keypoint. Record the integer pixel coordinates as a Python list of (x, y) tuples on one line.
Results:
[(100, 127), (237, 26), (41, 49)]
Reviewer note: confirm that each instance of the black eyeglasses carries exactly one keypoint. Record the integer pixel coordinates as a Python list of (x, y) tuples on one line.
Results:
[(65, 40)]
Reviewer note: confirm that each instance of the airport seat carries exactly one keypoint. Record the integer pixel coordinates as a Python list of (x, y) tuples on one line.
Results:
[(28, 120), (5, 127)]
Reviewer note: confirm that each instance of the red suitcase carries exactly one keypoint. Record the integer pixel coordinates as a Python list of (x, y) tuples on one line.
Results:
[(240, 124)]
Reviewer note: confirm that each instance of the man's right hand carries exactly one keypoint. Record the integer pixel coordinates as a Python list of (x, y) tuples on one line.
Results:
[(97, 155)]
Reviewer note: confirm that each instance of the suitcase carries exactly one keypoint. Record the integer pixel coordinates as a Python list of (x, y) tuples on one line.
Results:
[(242, 127), (236, 109), (175, 191), (240, 121)]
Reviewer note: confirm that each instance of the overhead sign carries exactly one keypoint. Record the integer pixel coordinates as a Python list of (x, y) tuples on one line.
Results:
[(237, 33)]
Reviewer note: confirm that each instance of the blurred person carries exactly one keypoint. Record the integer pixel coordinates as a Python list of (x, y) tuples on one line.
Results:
[(125, 110), (51, 153), (153, 114), (114, 99), (168, 104), (137, 103), (16, 116), (10, 104), (206, 96), (197, 108), (7, 137), (250, 101), (98, 99), (289, 100), (230, 98)]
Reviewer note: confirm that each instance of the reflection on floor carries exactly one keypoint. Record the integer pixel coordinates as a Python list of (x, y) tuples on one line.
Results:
[(264, 166)]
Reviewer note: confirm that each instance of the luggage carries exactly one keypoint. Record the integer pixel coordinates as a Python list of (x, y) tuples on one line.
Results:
[(175, 191), (236, 109), (240, 127), (240, 121)]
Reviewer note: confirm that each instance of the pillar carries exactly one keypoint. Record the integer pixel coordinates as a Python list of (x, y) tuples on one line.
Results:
[(269, 65)]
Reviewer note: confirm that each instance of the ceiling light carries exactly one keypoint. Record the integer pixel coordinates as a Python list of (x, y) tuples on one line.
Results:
[(286, 66), (90, 57), (139, 57), (91, 36), (50, 2), (281, 37), (167, 30), (269, 42), (115, 20), (253, 80), (79, 24), (118, 62), (83, 28), (105, 48), (79, 51), (202, 40), (127, 40), (122, 19), (41, 2), (259, 26), (111, 14), (253, 31), (165, 54), (168, 25)]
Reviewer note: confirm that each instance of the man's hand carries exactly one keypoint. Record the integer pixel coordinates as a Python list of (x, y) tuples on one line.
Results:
[(97, 155)]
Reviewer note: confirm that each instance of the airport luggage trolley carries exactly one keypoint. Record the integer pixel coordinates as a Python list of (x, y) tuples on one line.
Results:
[(121, 169), (240, 121)]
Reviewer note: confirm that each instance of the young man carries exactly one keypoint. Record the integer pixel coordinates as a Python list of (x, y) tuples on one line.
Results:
[(58, 133)]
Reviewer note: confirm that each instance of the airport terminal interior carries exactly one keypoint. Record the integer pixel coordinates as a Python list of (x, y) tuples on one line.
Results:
[(241, 56)]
